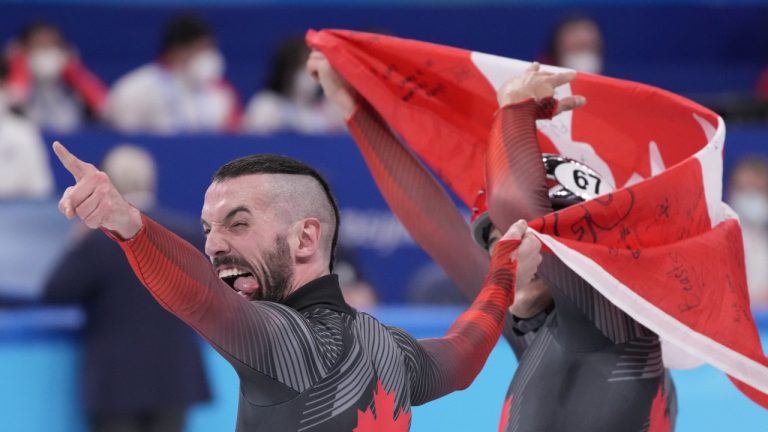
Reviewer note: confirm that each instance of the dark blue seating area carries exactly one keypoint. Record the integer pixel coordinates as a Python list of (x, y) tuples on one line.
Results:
[(694, 48)]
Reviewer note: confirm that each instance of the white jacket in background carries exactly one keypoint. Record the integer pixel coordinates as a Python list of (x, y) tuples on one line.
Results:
[(152, 99)]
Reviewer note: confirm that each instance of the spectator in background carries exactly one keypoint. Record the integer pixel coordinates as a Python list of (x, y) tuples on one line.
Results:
[(748, 195), (182, 91), (48, 81), (292, 101), (576, 43), (24, 168), (142, 366)]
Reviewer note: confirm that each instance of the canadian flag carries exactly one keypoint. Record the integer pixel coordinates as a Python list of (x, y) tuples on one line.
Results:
[(661, 245)]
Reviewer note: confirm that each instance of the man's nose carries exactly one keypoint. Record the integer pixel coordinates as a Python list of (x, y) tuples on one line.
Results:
[(215, 244)]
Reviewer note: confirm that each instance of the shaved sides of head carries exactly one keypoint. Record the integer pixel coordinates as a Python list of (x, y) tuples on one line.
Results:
[(294, 197), (295, 191)]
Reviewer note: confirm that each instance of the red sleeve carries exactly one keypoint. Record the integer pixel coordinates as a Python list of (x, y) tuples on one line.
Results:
[(179, 276), (440, 366), (18, 80), (424, 208), (250, 335), (419, 201), (87, 85), (515, 176)]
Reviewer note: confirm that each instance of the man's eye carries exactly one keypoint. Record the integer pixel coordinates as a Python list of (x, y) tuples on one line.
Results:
[(239, 224), (206, 231)]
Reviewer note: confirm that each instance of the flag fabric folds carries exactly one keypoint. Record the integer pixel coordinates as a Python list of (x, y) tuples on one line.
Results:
[(661, 244)]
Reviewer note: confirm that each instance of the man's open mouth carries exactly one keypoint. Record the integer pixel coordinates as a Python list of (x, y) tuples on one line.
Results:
[(231, 274), (240, 280)]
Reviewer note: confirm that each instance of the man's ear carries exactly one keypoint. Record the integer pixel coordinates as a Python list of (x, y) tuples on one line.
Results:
[(308, 232)]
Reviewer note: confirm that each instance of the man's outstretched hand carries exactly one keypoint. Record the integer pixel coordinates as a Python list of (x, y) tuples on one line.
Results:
[(537, 84), (528, 254), (94, 198)]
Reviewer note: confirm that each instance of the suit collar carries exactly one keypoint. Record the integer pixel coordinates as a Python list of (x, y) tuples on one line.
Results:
[(322, 292)]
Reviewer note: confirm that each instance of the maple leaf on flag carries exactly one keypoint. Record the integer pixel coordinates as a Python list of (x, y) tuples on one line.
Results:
[(380, 416)]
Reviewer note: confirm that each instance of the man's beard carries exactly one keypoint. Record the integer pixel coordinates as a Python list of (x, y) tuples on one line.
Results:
[(278, 272)]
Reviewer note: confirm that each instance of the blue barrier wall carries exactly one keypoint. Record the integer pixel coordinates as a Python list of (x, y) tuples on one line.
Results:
[(39, 365)]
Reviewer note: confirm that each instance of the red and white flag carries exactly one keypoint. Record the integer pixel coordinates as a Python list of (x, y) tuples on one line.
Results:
[(662, 246)]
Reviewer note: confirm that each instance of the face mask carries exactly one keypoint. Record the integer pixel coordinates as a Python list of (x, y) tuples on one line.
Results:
[(752, 207), (46, 64), (205, 67), (583, 61), (304, 89)]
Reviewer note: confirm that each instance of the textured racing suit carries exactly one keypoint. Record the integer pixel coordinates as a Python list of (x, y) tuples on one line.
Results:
[(313, 363)]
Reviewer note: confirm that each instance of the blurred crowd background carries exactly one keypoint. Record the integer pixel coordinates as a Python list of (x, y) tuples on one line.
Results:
[(159, 95)]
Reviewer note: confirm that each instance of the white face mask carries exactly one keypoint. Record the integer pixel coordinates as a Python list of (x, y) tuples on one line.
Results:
[(583, 61), (205, 68), (304, 89), (752, 207), (46, 64)]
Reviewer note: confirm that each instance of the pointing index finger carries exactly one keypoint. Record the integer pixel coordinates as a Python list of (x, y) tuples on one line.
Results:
[(75, 166)]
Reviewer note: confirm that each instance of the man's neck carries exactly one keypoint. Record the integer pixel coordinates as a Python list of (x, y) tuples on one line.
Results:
[(303, 276)]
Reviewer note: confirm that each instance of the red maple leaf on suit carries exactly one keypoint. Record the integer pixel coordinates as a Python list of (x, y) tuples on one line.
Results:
[(383, 420), (659, 420)]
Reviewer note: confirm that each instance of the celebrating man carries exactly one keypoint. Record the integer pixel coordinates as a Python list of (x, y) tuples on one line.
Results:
[(272, 308)]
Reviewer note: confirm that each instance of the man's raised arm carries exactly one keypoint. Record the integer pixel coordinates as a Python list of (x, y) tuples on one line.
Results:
[(515, 176), (413, 194), (439, 366), (184, 282)]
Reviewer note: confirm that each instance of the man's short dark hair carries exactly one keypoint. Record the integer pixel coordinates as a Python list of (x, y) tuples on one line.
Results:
[(278, 164), (184, 30)]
